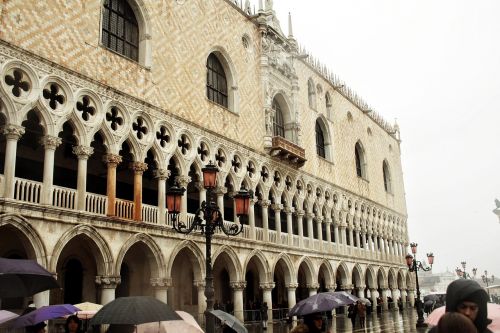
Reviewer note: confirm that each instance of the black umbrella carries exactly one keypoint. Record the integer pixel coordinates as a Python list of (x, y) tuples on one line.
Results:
[(431, 297), (133, 311), (21, 277)]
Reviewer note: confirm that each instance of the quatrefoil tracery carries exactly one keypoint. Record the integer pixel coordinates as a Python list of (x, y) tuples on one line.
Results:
[(184, 144), (162, 136), (140, 128), (113, 117), (18, 84), (203, 151), (52, 95), (220, 157), (85, 107)]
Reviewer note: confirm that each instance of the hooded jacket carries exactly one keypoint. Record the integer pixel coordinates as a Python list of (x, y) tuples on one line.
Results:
[(468, 290)]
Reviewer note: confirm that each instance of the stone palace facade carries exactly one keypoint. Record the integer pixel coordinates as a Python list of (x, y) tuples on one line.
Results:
[(105, 104)]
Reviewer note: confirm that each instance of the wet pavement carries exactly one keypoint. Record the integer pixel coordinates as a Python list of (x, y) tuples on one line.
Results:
[(387, 322)]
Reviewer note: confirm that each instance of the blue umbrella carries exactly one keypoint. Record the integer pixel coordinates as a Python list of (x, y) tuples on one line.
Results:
[(21, 277), (44, 313), (322, 302)]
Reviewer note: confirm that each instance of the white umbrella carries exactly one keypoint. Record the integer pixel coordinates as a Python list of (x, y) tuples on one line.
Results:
[(187, 325), (5, 316)]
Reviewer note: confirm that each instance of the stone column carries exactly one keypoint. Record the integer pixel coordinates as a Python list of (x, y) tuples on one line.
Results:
[(160, 286), (220, 191), (183, 182), (267, 287), (162, 176), (42, 298), (251, 217), (277, 218), (319, 224), (202, 300), (363, 239), (238, 288), (83, 153), (202, 191), (328, 222), (370, 242), (12, 134), (139, 168), (50, 143), (107, 285), (403, 297), (343, 235), (358, 240), (265, 222), (313, 288), (310, 217), (289, 226), (373, 295), (385, 305), (291, 288), (112, 161), (360, 291), (351, 238), (411, 294), (376, 245), (336, 233), (300, 215)]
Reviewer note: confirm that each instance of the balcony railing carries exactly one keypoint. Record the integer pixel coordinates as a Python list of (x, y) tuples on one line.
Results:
[(286, 150), (65, 198)]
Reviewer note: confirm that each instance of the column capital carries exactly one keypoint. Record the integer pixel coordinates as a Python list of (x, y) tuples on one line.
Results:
[(300, 212), (108, 282), (238, 285), (313, 285), (199, 186), (112, 159), (267, 286), (199, 283), (319, 219), (162, 174), (361, 288), (83, 152), (13, 132), (161, 282), (183, 181), (50, 142), (328, 220), (265, 203), (310, 215), (139, 167), (346, 287), (292, 285), (289, 210), (331, 287), (277, 207)]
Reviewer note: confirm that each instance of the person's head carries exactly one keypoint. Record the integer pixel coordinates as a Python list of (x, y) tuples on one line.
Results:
[(314, 320), (37, 328), (73, 324), (468, 298), (455, 322)]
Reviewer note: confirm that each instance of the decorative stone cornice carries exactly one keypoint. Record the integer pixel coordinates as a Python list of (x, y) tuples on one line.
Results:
[(13, 132), (238, 285), (50, 142), (112, 159), (83, 152), (108, 282), (162, 174), (267, 285), (139, 167)]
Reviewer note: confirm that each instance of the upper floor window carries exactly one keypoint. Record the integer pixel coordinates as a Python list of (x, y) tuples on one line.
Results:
[(120, 30), (216, 81), (360, 160), (387, 177), (328, 102), (320, 141), (311, 92), (278, 122)]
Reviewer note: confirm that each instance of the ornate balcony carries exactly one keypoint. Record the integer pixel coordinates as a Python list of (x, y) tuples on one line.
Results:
[(287, 151)]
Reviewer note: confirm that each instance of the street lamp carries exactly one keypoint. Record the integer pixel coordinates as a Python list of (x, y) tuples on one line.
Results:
[(208, 220), (488, 280), (461, 273), (415, 266)]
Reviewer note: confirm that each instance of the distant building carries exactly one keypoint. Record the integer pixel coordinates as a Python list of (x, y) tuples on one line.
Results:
[(435, 282)]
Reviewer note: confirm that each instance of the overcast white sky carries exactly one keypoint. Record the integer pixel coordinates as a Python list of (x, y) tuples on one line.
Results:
[(435, 66)]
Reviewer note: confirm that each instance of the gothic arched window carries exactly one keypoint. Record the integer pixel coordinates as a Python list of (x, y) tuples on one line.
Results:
[(216, 81), (120, 30), (387, 177), (320, 140), (278, 122), (360, 160)]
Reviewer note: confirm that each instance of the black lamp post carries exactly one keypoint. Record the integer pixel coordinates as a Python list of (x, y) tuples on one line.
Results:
[(461, 273), (488, 280), (208, 220), (415, 266)]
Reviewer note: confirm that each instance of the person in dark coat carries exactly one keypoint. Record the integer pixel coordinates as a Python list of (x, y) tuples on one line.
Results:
[(470, 299), (313, 323), (352, 312), (263, 315)]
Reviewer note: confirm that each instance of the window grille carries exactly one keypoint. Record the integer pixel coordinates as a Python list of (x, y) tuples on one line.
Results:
[(120, 31), (216, 81)]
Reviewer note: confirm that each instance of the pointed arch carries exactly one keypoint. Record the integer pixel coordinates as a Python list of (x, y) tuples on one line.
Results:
[(100, 248), (197, 253), (386, 171), (283, 260), (232, 265), (39, 252), (360, 158), (262, 265), (323, 139), (155, 251)]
